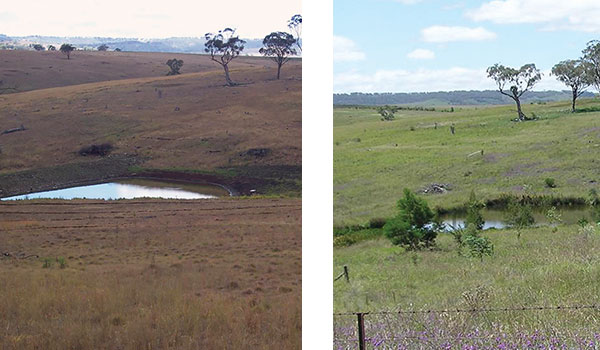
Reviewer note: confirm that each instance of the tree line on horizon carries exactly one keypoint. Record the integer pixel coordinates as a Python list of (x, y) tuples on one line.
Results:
[(442, 98), (225, 45)]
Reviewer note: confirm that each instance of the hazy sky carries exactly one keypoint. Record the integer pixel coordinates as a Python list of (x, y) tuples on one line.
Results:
[(145, 18), (433, 45)]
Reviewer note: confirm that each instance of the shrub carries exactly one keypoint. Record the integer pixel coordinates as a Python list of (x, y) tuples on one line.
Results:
[(387, 112), (550, 182), (478, 246), (593, 199), (587, 230), (377, 222), (344, 241), (62, 263), (474, 218), (96, 150), (519, 216), (47, 263), (412, 227)]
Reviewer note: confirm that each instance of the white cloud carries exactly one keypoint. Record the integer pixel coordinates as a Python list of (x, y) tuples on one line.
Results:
[(444, 34), (408, 2), (421, 54), (425, 80), (144, 18), (346, 50), (581, 15)]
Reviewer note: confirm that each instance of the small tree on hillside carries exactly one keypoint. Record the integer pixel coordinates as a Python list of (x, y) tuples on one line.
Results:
[(118, 50), (413, 227), (573, 73), (295, 25), (103, 47), (223, 47), (520, 81), (474, 219), (519, 216), (387, 112), (278, 46), (175, 66), (51, 48), (38, 47), (67, 49)]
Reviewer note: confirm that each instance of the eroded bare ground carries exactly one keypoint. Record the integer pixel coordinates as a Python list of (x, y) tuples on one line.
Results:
[(150, 274)]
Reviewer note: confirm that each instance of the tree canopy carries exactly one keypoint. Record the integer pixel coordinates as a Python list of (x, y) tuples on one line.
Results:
[(223, 47), (278, 46), (67, 49), (574, 74), (295, 25), (591, 58), (413, 226), (103, 47), (519, 81), (175, 66)]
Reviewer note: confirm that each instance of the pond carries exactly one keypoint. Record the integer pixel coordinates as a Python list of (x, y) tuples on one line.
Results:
[(496, 218), (132, 188)]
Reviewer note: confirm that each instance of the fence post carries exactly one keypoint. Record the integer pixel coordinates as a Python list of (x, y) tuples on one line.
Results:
[(361, 331), (346, 274)]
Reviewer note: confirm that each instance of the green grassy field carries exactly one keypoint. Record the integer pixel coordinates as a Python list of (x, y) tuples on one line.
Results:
[(374, 160), (542, 268)]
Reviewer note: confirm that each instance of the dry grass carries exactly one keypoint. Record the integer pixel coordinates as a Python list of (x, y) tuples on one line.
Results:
[(151, 274), (189, 121), (32, 70)]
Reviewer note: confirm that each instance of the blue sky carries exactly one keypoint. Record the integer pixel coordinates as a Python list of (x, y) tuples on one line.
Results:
[(433, 45)]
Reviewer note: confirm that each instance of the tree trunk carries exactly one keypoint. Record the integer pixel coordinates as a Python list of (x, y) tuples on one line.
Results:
[(278, 70), (574, 98), (229, 81), (522, 116)]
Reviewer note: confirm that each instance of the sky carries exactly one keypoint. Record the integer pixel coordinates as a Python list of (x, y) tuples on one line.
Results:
[(145, 18), (435, 45)]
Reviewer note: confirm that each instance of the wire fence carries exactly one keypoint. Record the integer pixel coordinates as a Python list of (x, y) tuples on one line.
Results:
[(515, 327)]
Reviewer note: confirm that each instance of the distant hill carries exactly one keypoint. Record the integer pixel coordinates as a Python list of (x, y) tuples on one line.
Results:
[(181, 45), (448, 98)]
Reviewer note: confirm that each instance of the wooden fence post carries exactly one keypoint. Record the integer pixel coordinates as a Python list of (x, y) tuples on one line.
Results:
[(346, 274), (361, 331)]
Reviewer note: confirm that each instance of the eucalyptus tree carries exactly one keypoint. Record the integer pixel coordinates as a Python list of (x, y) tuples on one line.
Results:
[(67, 49), (175, 65), (223, 47), (295, 25), (591, 58), (279, 47), (518, 81), (574, 74)]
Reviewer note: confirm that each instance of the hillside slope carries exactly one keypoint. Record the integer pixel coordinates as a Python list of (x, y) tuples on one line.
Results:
[(489, 154), (32, 70), (188, 122)]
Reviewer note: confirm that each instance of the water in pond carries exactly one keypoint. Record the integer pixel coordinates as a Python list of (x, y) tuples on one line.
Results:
[(497, 218), (132, 188)]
